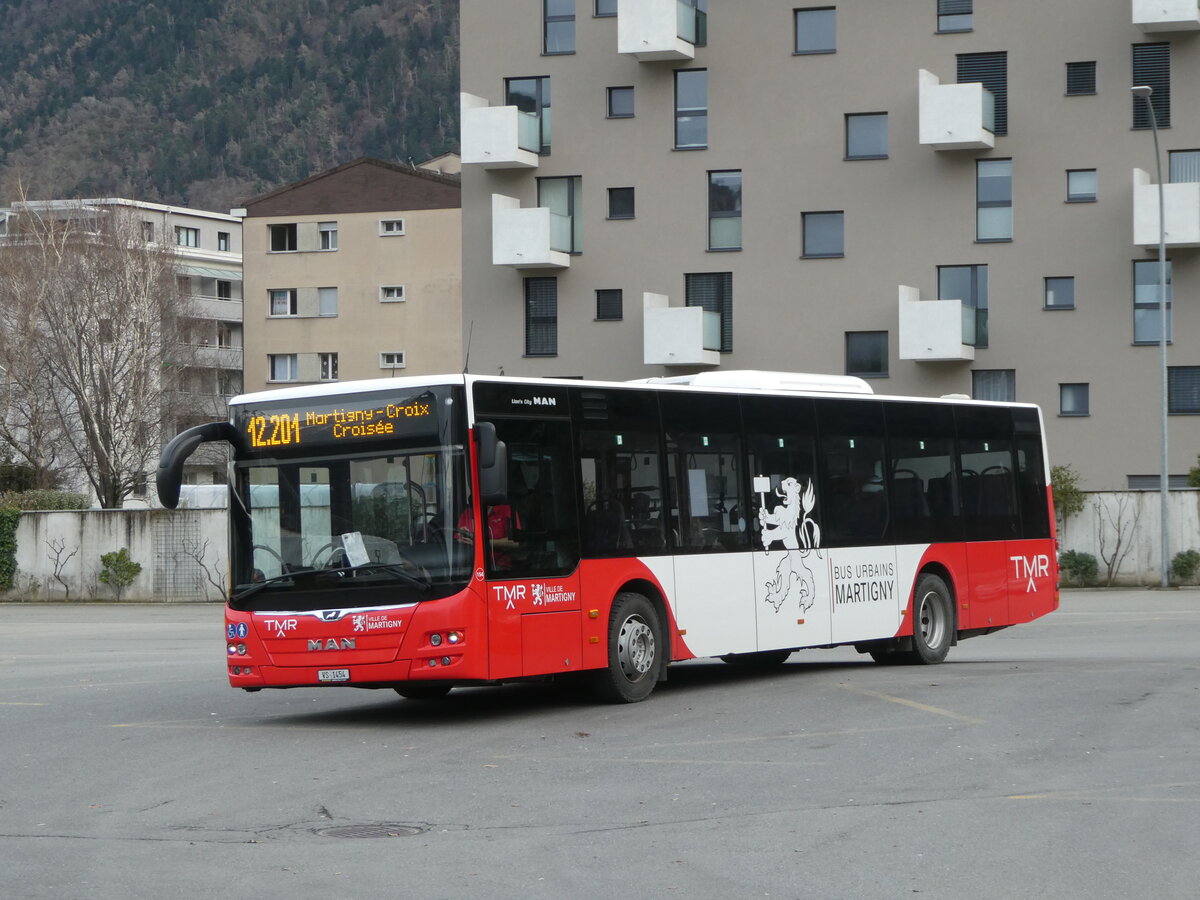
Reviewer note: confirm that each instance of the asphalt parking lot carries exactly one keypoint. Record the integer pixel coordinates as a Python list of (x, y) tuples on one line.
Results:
[(1055, 759)]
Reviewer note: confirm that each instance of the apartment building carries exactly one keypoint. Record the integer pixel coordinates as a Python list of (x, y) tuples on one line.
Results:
[(208, 247), (940, 196), (354, 273)]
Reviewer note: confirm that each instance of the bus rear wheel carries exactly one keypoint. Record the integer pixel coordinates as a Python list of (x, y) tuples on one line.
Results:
[(635, 645), (933, 621)]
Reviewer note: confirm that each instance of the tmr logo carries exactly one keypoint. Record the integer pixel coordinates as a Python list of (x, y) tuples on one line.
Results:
[(331, 644), (1028, 568)]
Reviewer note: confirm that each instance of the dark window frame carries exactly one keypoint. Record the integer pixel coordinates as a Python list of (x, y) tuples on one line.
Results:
[(1046, 292), (714, 202), (690, 112), (948, 10), (541, 326), (1152, 306), (1083, 198), (610, 304), (850, 154), (549, 20), (1081, 79), (804, 228), (980, 204), (796, 31), (613, 195), (610, 92), (1086, 409), (715, 290), (873, 351)]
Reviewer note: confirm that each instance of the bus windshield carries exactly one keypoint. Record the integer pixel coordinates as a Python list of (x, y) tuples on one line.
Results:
[(350, 502)]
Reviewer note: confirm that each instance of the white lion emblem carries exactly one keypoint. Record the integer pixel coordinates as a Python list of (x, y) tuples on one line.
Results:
[(791, 524)]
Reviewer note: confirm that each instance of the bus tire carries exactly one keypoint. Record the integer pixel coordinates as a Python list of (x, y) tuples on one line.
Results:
[(423, 691), (933, 621), (635, 646), (761, 659)]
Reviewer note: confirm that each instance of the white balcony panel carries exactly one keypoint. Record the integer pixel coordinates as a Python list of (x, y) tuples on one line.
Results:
[(218, 357), (1181, 204), (497, 137), (522, 238), (931, 330), (679, 335), (218, 310), (1166, 15), (953, 116), (648, 30)]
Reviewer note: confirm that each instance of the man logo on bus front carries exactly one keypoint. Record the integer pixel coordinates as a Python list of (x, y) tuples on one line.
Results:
[(790, 524)]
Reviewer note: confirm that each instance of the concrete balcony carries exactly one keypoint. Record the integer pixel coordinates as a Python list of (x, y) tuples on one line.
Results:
[(1181, 212), (933, 330), (1166, 15), (679, 335), (218, 310), (530, 238), (498, 137), (654, 30), (955, 116), (218, 357)]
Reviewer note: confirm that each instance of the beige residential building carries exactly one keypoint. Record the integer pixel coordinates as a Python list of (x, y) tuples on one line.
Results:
[(354, 273), (942, 196)]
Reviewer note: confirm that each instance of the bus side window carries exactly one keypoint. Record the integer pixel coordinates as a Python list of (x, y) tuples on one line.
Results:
[(985, 457), (620, 471), (704, 470), (780, 437), (921, 476), (1031, 475), (853, 472)]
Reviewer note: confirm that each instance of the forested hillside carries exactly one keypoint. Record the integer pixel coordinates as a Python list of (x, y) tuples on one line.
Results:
[(209, 102)]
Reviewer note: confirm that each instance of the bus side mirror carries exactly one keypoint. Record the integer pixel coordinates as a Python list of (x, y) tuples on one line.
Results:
[(493, 466), (169, 475)]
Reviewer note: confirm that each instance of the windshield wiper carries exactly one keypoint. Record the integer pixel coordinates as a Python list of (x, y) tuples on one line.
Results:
[(422, 584), (242, 591)]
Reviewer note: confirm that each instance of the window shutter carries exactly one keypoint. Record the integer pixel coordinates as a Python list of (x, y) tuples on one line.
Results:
[(541, 316), (991, 69), (1183, 389), (608, 304), (713, 291), (1081, 78), (954, 7), (1152, 66)]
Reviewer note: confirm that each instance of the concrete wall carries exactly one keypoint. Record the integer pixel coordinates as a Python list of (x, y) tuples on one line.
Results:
[(183, 554)]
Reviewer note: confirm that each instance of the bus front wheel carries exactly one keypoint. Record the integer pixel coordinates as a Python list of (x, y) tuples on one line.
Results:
[(933, 621), (635, 645)]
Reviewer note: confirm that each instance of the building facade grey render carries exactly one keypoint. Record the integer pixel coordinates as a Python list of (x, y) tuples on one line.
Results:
[(942, 196)]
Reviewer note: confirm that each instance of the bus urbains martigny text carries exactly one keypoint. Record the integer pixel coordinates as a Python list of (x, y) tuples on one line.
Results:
[(424, 533)]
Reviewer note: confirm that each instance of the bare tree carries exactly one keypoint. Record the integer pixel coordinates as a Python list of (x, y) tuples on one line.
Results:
[(58, 547), (97, 325), (1115, 533)]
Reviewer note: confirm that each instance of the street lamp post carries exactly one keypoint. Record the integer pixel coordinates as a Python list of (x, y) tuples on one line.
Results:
[(1144, 91)]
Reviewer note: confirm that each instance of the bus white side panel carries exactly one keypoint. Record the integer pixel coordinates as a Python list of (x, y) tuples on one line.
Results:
[(792, 593), (866, 595), (714, 603)]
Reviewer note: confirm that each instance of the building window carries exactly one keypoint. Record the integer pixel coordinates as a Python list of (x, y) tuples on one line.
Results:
[(390, 227), (970, 285), (620, 103), (954, 15), (187, 237), (559, 33), (691, 109), (541, 316), (606, 8), (1081, 78), (867, 354), (1073, 400), (1183, 390), (391, 293), (1152, 66), (283, 237), (283, 302), (1185, 165), (1060, 293), (824, 234), (994, 384), (327, 301), (993, 200), (329, 366), (224, 290), (620, 203), (609, 305), (725, 210), (713, 291), (147, 231), (1147, 316), (866, 136), (564, 198), (393, 359), (223, 242), (532, 95), (991, 70), (328, 231), (1081, 185), (816, 30), (281, 367)]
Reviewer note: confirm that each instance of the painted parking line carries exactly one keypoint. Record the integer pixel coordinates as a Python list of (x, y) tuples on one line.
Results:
[(913, 704)]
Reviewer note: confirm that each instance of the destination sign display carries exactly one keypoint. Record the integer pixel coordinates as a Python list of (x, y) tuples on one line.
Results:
[(343, 420)]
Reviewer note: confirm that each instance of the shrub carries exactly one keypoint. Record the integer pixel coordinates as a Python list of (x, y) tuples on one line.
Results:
[(43, 499), (1078, 568), (118, 570), (1068, 498), (8, 547), (1184, 566)]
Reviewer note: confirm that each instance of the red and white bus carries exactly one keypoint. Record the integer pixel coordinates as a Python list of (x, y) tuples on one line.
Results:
[(424, 533)]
